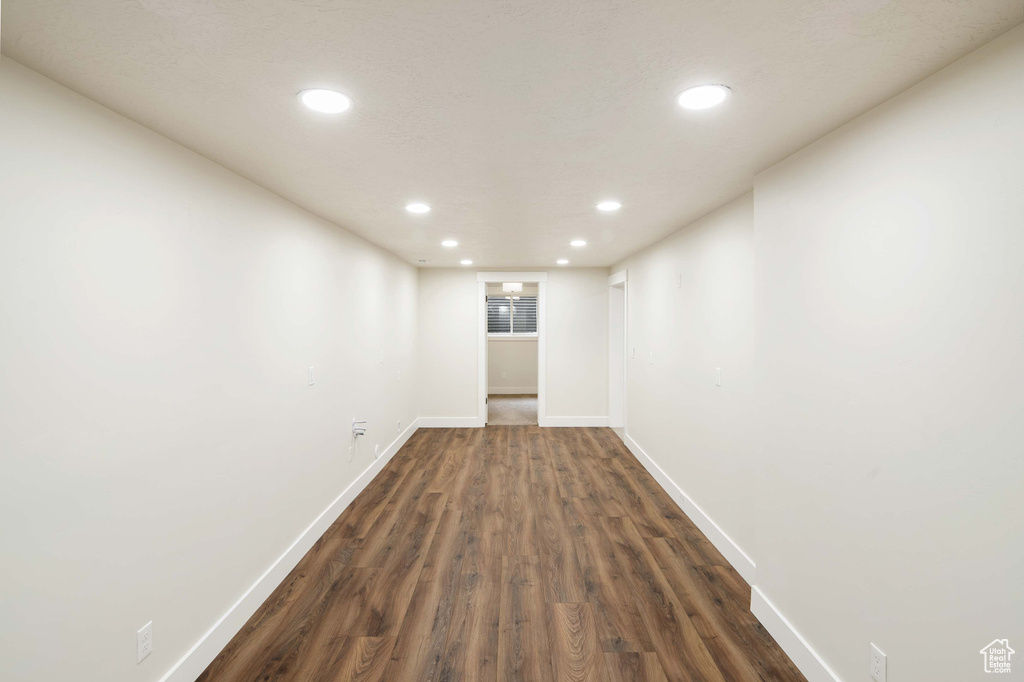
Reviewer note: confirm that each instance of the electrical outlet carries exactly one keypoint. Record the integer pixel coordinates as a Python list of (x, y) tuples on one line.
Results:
[(877, 663), (310, 376), (679, 280), (650, 357), (376, 450), (144, 640), (399, 427), (632, 352), (718, 376)]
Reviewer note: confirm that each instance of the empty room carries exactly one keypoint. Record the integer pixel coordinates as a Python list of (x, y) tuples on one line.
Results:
[(486, 341)]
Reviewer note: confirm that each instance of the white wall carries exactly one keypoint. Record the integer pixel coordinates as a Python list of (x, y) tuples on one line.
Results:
[(512, 365), (577, 342), (160, 444), (868, 317), (447, 351), (691, 305), (577, 338), (890, 316)]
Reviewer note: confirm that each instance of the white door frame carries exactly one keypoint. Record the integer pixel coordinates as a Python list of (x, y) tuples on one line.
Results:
[(618, 340), (483, 279)]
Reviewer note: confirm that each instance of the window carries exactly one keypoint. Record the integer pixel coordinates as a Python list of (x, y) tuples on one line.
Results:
[(511, 314)]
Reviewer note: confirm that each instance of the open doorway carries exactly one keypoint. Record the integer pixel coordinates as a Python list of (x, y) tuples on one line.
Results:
[(617, 312), (512, 353), (512, 347)]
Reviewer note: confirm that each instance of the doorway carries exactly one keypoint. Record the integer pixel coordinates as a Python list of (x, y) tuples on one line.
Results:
[(512, 347), (617, 335)]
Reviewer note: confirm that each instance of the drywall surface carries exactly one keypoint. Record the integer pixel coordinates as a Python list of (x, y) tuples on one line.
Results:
[(161, 445), (512, 365), (577, 342), (448, 337), (890, 377), (577, 338), (691, 313)]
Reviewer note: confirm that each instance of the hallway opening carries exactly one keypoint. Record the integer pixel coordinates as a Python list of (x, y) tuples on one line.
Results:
[(512, 340)]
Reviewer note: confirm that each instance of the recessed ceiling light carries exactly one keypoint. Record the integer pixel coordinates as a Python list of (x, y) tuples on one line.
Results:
[(466, 261), (449, 243), (562, 261), (703, 96), (609, 206), (421, 260), (417, 208), (578, 242), (325, 101)]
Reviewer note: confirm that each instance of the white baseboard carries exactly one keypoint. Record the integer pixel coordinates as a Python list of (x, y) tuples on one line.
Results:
[(450, 422), (202, 653), (743, 564), (513, 390), (795, 646), (572, 421)]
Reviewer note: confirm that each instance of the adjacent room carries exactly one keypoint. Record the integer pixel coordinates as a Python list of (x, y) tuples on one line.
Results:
[(486, 341), (512, 354)]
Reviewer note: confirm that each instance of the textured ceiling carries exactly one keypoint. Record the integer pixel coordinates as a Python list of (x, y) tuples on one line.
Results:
[(511, 118)]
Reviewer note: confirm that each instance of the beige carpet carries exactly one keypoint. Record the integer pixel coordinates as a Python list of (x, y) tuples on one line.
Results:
[(511, 410)]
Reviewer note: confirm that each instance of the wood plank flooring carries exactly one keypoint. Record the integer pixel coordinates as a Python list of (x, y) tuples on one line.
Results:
[(508, 553)]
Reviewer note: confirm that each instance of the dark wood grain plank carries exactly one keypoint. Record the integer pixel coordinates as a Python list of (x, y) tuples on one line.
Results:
[(577, 652), (563, 577), (635, 667), (420, 645), (524, 653), (667, 624), (471, 652), (518, 510)]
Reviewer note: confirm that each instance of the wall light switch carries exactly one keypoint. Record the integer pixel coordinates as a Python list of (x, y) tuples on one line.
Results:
[(877, 663), (650, 356), (679, 280), (632, 352), (144, 640), (718, 376), (310, 376)]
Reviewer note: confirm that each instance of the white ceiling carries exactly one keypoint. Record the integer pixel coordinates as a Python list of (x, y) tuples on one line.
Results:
[(511, 118)]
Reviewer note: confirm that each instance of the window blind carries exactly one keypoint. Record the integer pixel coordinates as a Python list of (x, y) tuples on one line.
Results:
[(511, 315), (499, 315), (524, 315)]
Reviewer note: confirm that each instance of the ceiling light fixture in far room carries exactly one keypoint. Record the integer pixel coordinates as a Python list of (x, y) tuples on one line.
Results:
[(578, 242), (325, 101), (465, 261), (703, 96), (449, 243), (417, 207), (562, 261), (609, 206)]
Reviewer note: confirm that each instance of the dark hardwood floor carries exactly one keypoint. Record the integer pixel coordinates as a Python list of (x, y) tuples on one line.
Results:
[(508, 553)]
